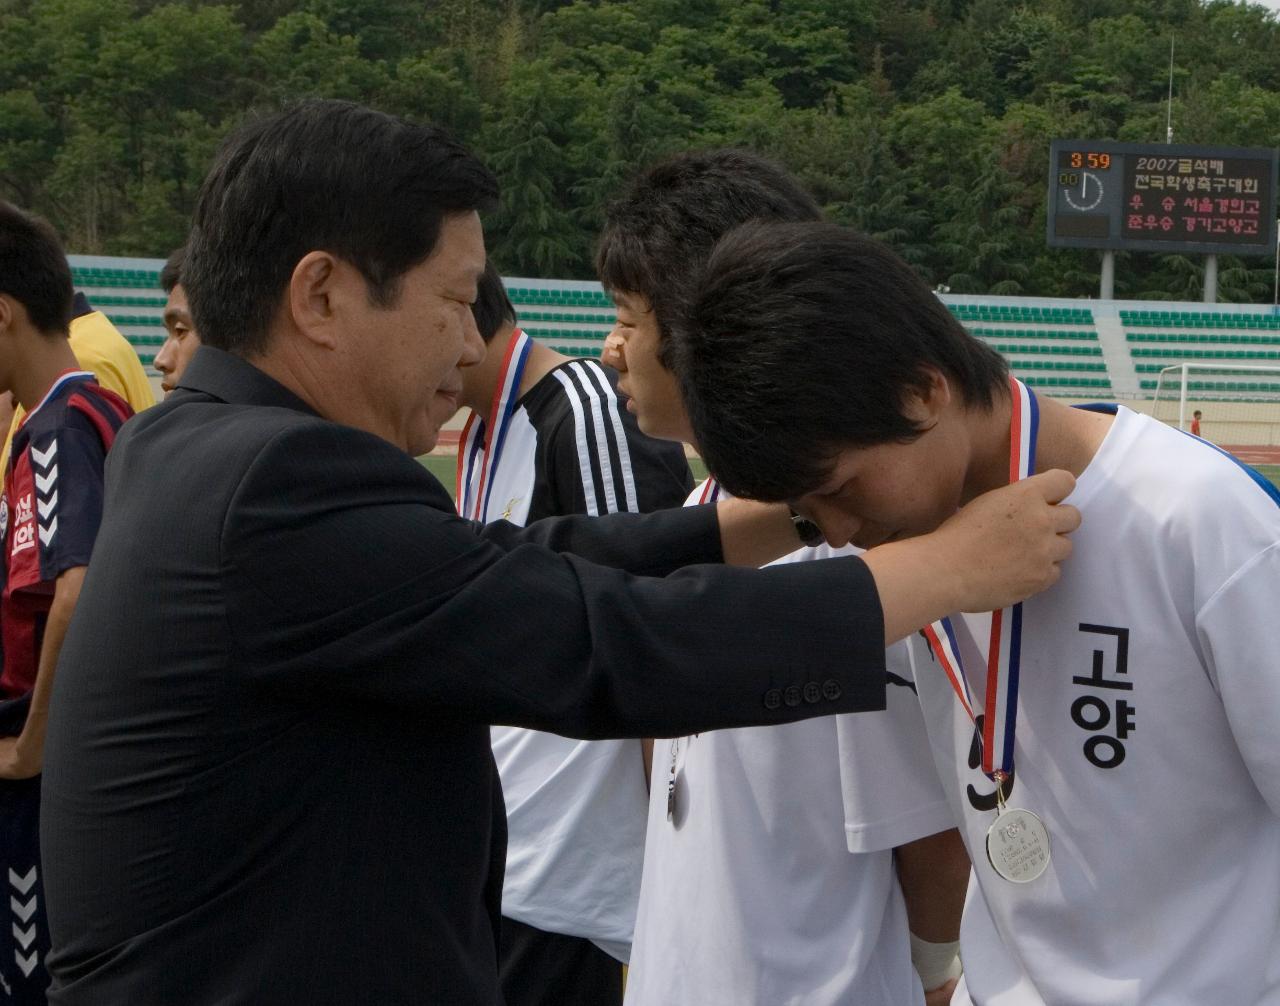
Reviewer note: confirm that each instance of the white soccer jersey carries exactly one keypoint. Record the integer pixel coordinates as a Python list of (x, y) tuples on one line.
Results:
[(575, 809), (1146, 740), (750, 894)]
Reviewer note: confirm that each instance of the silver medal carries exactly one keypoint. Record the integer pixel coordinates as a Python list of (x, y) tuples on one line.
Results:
[(1018, 845)]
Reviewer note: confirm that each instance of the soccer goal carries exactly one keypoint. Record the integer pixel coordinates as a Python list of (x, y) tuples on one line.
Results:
[(1239, 404)]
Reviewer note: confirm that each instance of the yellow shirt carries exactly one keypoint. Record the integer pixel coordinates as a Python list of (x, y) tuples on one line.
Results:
[(101, 349)]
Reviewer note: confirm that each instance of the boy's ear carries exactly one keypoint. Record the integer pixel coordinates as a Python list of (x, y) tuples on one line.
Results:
[(925, 402)]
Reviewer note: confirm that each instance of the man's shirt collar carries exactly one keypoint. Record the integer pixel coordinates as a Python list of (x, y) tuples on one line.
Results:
[(235, 380)]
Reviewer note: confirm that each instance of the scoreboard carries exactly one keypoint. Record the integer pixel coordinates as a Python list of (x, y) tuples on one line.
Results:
[(1171, 198)]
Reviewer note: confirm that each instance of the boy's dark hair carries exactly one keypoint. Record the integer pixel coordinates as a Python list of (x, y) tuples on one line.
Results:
[(34, 270), (493, 307), (802, 341), (171, 274), (657, 236), (369, 188)]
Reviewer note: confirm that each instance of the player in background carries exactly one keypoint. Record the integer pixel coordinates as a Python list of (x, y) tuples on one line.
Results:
[(181, 343), (100, 349), (1195, 423), (774, 871), (1115, 764), (548, 437), (50, 509)]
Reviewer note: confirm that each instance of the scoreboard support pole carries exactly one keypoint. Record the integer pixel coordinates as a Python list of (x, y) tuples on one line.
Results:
[(1211, 279), (1108, 285)]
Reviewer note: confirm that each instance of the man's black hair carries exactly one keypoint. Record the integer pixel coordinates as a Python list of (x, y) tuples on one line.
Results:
[(803, 340), (492, 308), (330, 176), (34, 270), (657, 236), (171, 274)]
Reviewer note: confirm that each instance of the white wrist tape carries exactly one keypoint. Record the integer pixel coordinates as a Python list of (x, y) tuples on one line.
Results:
[(935, 963)]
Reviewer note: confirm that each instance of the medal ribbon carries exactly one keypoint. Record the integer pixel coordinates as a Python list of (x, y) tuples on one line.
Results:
[(710, 491), (482, 442), (1004, 655)]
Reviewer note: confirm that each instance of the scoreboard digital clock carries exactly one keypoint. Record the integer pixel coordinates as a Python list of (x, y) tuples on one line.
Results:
[(1162, 197)]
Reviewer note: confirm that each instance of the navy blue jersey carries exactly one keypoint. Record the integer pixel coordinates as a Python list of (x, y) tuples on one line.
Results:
[(50, 510)]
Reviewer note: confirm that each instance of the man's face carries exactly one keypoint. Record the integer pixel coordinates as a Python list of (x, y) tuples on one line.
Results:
[(182, 342), (890, 491), (407, 360), (652, 391)]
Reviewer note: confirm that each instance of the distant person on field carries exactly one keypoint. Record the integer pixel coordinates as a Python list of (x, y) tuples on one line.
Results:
[(548, 436), (100, 349), (1195, 423), (182, 341), (50, 508)]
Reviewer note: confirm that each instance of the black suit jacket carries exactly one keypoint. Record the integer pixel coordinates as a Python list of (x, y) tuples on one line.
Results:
[(267, 775)]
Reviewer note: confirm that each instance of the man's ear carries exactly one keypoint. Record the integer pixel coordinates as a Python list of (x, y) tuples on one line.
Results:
[(314, 297), (6, 313), (925, 402)]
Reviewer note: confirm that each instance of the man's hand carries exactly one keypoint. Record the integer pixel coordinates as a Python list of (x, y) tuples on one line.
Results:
[(752, 534), (1006, 545), (17, 761), (1002, 547), (940, 996)]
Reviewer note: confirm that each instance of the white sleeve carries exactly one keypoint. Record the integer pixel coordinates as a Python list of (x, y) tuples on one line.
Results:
[(1233, 628), (892, 794), (695, 497)]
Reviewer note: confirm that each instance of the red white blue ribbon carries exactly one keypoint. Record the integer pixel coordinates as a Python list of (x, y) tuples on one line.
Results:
[(1005, 652), (710, 491), (482, 442)]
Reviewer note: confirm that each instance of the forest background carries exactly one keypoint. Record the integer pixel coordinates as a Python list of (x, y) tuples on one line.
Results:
[(924, 122)]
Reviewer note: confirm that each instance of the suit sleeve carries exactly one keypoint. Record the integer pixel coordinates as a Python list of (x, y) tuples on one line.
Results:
[(340, 580)]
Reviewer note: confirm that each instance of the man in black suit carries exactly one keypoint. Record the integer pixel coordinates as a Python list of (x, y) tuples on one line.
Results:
[(268, 776)]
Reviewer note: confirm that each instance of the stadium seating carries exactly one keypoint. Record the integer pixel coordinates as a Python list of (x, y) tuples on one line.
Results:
[(100, 278), (1052, 346), (1227, 338), (1019, 313), (573, 322), (1201, 320)]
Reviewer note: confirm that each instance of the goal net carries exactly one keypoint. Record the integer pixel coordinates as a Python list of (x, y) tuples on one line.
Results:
[(1239, 405)]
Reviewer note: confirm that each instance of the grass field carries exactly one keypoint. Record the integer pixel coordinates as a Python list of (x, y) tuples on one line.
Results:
[(444, 467), (1270, 471)]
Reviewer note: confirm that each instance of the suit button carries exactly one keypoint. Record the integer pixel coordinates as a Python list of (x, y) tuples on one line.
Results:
[(772, 698), (812, 692), (792, 695), (831, 689)]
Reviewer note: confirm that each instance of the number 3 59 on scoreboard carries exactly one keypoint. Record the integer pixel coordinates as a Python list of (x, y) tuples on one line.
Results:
[(1162, 197)]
